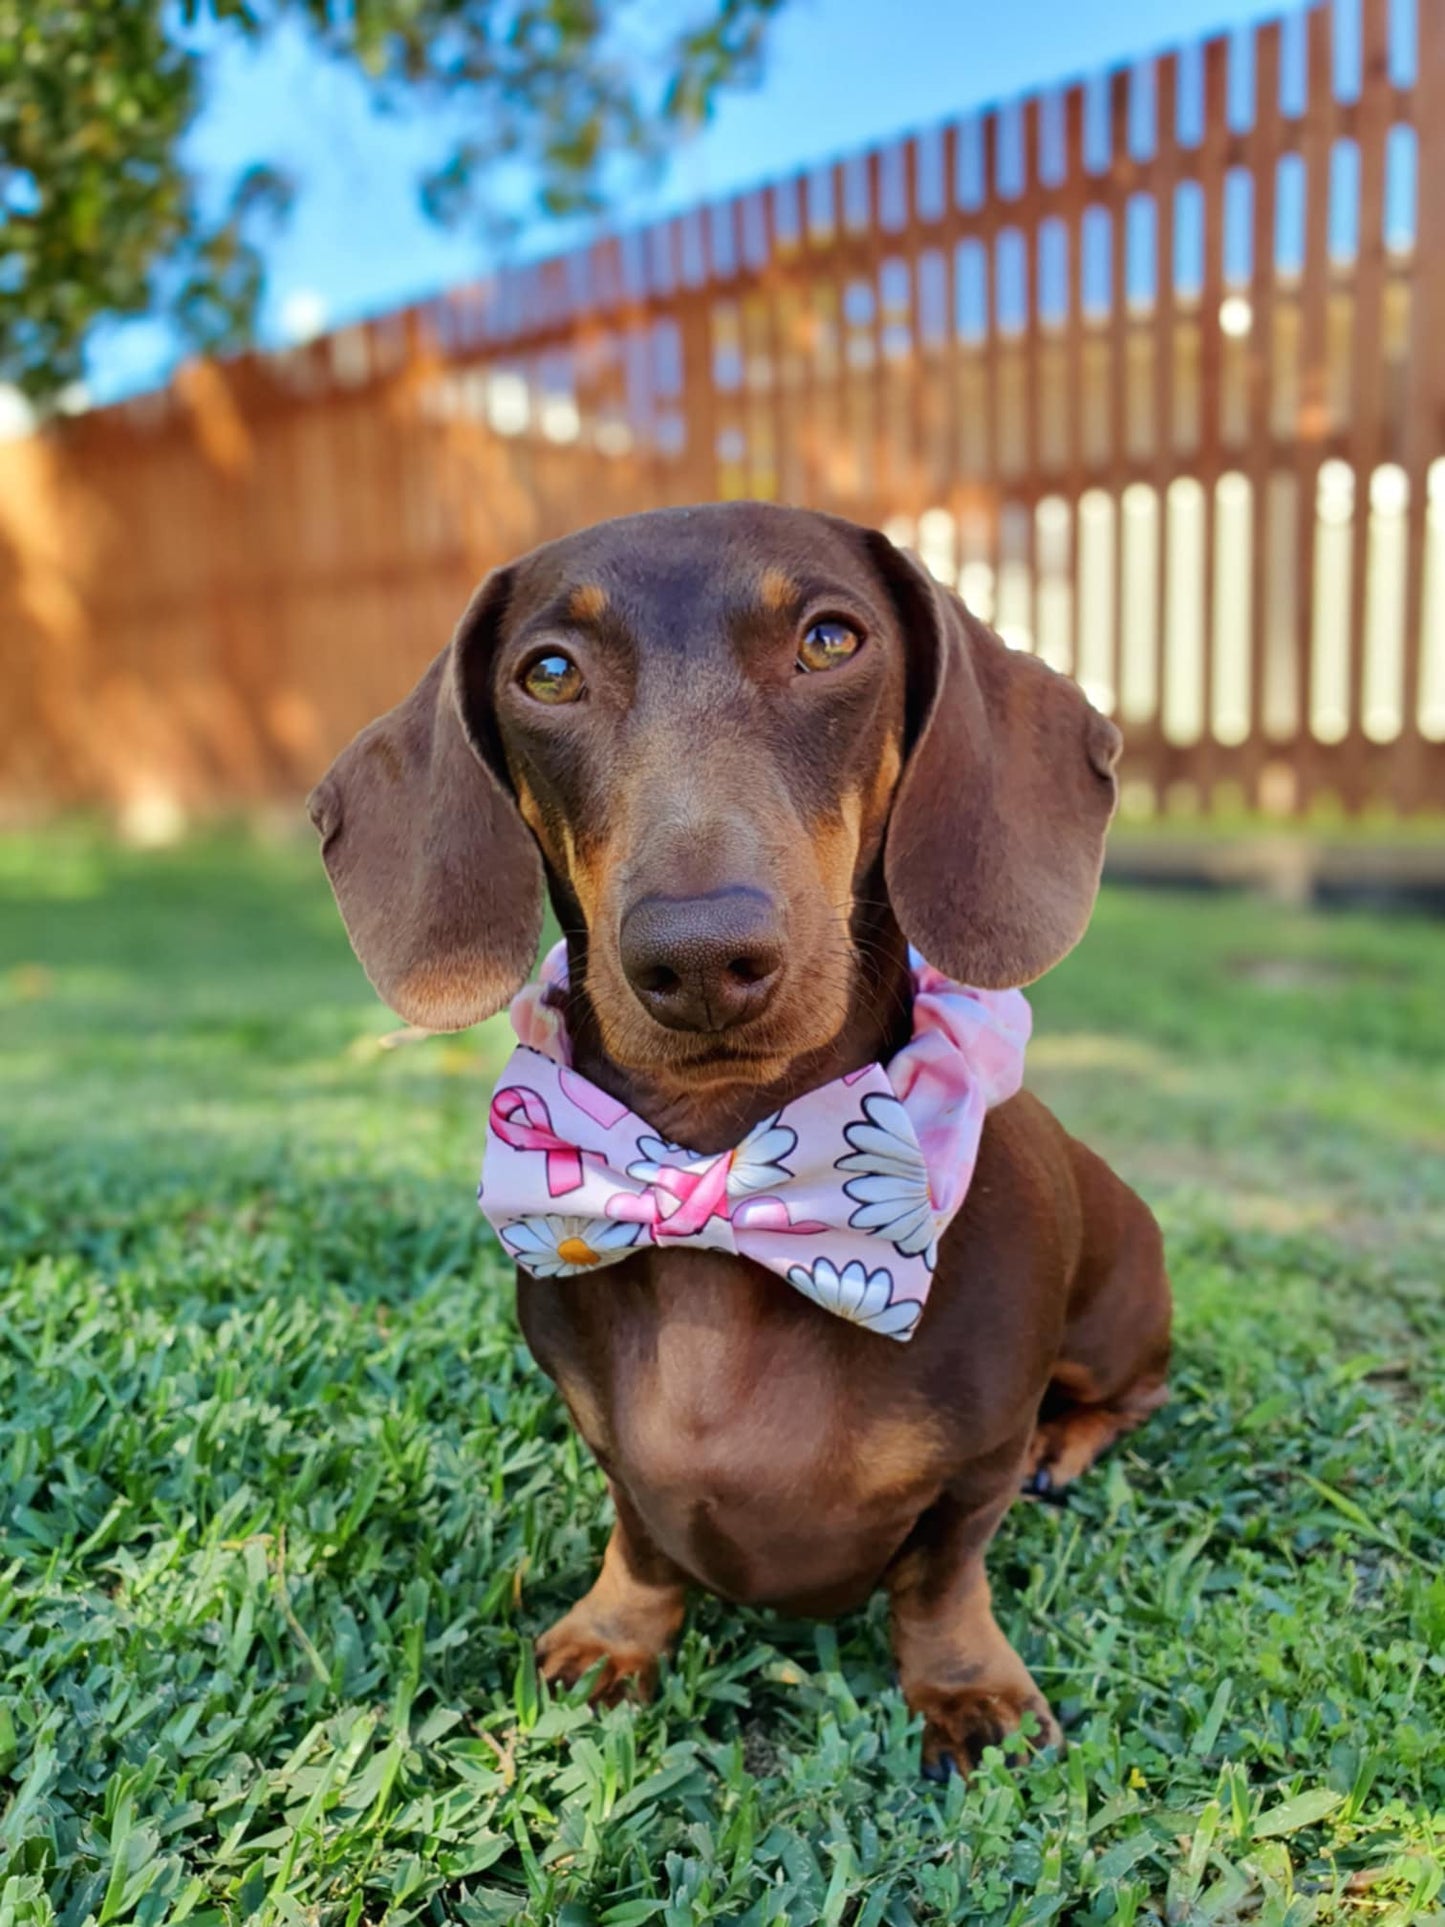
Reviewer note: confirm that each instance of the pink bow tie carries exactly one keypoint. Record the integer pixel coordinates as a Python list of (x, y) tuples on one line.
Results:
[(844, 1192)]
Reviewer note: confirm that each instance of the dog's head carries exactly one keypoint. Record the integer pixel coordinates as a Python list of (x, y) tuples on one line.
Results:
[(717, 732)]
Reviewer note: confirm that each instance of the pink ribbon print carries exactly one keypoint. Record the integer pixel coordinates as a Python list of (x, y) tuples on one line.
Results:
[(682, 1201), (677, 1203), (843, 1192), (534, 1133)]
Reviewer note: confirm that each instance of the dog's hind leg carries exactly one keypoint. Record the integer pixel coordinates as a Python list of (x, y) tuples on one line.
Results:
[(1113, 1362)]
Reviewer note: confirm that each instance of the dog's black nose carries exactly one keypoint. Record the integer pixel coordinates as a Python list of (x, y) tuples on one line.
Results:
[(703, 963)]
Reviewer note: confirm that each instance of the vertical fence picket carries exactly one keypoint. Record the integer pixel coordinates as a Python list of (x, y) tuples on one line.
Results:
[(917, 481), (1074, 201), (770, 284), (1162, 179), (1367, 391), (1425, 409), (1263, 149), (950, 373), (1122, 179), (876, 496), (1210, 462), (1312, 421)]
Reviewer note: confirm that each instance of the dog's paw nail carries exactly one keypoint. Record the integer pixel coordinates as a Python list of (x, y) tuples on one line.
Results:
[(938, 1770), (1041, 1486)]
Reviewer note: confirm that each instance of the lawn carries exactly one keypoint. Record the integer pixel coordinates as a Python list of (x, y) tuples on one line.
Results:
[(283, 1501)]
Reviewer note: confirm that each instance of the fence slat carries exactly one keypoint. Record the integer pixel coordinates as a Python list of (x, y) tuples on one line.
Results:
[(1075, 200), (1425, 403), (1367, 393), (1263, 150), (1163, 180), (1312, 421)]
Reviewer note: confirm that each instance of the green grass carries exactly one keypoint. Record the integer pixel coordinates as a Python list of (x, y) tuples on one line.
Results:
[(283, 1501)]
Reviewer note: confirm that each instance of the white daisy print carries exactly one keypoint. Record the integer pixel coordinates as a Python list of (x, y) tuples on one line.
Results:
[(757, 1164), (553, 1247), (861, 1296), (891, 1189)]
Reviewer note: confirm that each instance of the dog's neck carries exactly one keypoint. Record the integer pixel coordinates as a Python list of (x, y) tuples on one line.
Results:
[(713, 1113)]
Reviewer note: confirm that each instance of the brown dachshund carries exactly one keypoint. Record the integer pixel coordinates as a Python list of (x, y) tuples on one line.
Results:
[(753, 753)]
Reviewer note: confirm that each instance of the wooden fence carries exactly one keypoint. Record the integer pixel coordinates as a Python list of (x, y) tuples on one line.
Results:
[(1153, 366)]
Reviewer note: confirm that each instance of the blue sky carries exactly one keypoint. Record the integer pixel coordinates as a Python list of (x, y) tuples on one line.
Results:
[(840, 74)]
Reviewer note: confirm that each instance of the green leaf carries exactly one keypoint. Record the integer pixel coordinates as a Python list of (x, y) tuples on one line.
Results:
[(1304, 1810)]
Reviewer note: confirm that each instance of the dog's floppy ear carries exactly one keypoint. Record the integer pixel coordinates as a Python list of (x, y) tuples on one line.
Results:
[(996, 837), (436, 876)]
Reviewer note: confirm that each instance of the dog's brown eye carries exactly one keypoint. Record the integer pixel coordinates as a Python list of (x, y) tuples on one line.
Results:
[(553, 678), (827, 644)]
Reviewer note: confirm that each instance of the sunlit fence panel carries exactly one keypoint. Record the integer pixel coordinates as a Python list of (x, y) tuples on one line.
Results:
[(1151, 368)]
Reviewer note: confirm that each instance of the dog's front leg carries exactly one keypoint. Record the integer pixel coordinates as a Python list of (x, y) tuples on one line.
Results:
[(627, 1621), (954, 1664)]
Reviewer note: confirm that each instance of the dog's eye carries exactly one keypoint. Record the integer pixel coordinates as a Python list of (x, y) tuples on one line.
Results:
[(553, 678), (826, 645)]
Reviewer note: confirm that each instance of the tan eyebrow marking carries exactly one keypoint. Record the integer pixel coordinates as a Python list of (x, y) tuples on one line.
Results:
[(588, 602), (777, 589)]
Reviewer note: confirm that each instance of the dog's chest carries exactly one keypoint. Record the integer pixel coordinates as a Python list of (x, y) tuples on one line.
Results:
[(720, 1412), (767, 1446)]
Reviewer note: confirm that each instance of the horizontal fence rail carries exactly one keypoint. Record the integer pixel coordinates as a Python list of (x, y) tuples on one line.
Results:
[(1152, 367)]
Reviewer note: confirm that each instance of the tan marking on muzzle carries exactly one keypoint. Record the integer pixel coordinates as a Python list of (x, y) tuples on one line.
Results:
[(837, 843), (528, 809), (586, 871), (890, 766), (560, 847)]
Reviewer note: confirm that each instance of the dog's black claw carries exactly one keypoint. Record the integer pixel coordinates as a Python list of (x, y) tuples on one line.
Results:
[(1041, 1486), (938, 1770)]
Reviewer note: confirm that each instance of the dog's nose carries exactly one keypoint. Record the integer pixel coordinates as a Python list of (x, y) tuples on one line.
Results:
[(703, 963)]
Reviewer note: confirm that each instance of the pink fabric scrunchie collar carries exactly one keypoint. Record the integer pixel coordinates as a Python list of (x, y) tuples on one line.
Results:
[(843, 1191)]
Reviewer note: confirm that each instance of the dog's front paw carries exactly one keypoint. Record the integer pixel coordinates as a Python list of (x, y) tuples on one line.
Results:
[(570, 1650), (960, 1722)]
